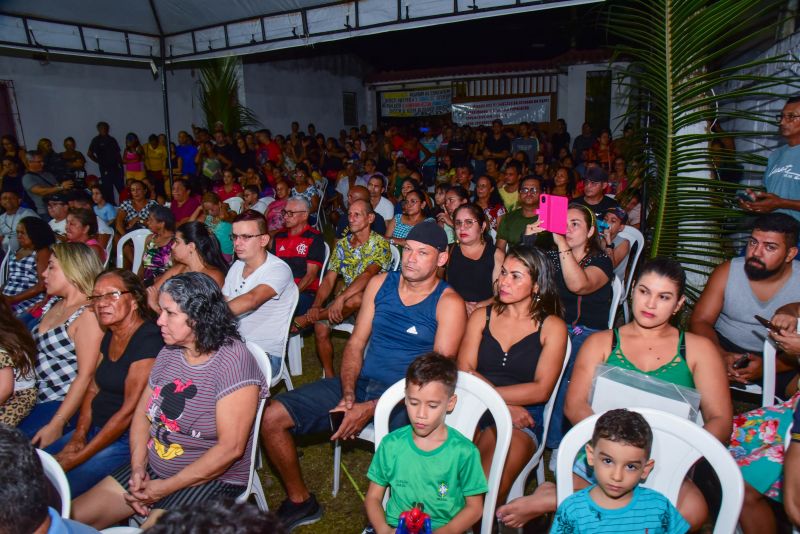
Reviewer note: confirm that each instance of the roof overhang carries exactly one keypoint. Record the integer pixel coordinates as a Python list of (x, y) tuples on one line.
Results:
[(188, 30)]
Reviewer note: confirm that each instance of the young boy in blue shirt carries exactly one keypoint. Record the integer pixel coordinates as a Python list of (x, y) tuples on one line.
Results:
[(427, 461), (620, 455)]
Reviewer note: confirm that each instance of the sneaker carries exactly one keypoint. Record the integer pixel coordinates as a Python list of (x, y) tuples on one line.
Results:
[(293, 515)]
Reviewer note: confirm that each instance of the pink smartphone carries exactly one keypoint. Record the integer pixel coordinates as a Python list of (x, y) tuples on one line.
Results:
[(553, 213)]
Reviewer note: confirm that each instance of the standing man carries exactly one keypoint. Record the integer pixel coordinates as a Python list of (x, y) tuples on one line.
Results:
[(498, 147), (582, 143), (104, 150), (39, 183), (256, 286), (303, 249), (403, 314), (782, 176), (186, 150), (526, 142)]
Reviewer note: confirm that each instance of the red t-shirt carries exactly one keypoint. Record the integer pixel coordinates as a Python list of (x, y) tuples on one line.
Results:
[(299, 250), (236, 190), (182, 212)]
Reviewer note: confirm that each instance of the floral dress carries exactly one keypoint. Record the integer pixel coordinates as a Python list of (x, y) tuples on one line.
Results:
[(156, 260), (757, 445)]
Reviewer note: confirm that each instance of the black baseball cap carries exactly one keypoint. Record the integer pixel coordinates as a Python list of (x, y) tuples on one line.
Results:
[(595, 174), (429, 233)]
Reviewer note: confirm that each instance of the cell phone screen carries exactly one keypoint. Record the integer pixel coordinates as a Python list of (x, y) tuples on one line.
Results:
[(336, 420)]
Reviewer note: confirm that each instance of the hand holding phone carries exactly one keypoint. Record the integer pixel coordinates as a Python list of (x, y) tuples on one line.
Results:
[(766, 323), (336, 420)]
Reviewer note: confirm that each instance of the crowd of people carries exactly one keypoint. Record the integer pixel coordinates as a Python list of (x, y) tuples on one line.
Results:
[(429, 246)]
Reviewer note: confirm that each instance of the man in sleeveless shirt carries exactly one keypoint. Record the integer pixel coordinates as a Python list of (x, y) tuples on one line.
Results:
[(739, 289), (403, 314)]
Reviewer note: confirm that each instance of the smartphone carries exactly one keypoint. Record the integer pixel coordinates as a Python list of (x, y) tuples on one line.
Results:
[(766, 323), (742, 362), (336, 420), (741, 195), (553, 213)]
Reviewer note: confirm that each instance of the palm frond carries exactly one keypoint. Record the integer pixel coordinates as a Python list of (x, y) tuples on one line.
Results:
[(219, 87), (678, 86)]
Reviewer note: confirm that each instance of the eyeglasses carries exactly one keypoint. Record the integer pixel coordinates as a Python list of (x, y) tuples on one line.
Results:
[(415, 201), (790, 117), (466, 223), (243, 237), (528, 190), (113, 296), (291, 213)]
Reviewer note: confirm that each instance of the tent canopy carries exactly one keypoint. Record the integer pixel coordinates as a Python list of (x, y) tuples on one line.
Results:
[(185, 30)]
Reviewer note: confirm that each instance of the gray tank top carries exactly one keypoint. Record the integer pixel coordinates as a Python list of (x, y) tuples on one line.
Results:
[(736, 322)]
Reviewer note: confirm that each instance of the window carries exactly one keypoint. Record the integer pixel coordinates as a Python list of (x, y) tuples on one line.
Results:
[(349, 109)]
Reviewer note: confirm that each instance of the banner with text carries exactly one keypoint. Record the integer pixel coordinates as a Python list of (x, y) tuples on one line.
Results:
[(509, 110), (417, 103)]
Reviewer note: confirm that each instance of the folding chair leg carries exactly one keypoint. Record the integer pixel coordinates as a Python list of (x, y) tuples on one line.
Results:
[(337, 466), (258, 491)]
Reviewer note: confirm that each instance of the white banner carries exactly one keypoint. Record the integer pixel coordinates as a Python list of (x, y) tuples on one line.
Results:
[(509, 110), (416, 103)]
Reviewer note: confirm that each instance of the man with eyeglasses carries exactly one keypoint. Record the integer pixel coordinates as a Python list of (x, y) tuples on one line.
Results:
[(39, 183), (782, 175), (512, 226), (302, 248), (255, 286)]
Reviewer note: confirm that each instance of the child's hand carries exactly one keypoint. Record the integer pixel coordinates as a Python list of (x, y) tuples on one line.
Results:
[(520, 417)]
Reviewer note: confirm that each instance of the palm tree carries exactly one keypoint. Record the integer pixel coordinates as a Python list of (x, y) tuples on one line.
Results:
[(684, 78), (219, 87)]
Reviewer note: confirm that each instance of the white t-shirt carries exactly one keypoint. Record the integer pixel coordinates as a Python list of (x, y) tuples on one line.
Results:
[(58, 227), (261, 326), (385, 208), (103, 227), (343, 187), (262, 204)]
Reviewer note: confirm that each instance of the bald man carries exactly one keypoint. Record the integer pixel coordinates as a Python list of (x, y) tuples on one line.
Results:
[(359, 192)]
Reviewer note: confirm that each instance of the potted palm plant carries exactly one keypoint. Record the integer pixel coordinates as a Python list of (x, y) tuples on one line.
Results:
[(219, 87)]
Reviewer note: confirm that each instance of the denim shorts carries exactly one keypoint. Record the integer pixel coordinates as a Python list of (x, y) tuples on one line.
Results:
[(309, 406)]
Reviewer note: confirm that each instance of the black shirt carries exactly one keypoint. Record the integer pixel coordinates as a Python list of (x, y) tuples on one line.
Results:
[(110, 376), (496, 146), (586, 310), (106, 149), (472, 279), (600, 208)]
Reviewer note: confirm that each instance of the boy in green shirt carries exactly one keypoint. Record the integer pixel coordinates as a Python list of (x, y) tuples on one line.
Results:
[(427, 461)]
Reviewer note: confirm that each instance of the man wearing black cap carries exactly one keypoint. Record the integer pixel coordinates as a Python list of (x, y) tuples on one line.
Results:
[(594, 183), (403, 314)]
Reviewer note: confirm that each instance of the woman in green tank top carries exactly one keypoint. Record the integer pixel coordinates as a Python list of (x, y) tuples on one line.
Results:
[(650, 345)]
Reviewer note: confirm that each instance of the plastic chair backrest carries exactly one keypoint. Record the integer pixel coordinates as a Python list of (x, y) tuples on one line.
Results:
[(635, 237), (109, 250), (677, 444), (56, 476), (121, 530), (395, 257), (235, 203), (325, 263), (266, 369), (4, 268), (616, 297), (138, 238), (474, 397)]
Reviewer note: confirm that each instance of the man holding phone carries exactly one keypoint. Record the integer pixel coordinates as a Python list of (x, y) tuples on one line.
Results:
[(512, 226), (760, 283), (403, 314)]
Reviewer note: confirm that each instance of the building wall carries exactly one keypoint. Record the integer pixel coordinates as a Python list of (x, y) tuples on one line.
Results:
[(572, 97)]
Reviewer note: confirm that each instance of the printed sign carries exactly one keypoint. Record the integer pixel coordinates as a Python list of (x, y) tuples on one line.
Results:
[(509, 110), (416, 103)]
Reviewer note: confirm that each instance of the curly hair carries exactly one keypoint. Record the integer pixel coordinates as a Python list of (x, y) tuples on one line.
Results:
[(220, 516), (210, 318), (132, 283), (39, 232)]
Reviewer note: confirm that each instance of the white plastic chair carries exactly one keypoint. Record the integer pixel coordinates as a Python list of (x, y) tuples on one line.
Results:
[(319, 222), (518, 488), (56, 476), (138, 238), (616, 296), (283, 373), (253, 482), (474, 397), (4, 268), (635, 238), (395, 257), (122, 530), (235, 203), (767, 392), (295, 347), (677, 444), (109, 250)]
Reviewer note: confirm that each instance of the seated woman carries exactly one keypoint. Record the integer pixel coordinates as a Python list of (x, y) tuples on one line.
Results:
[(415, 207), (195, 250), (454, 197), (218, 220), (274, 214), (229, 187), (583, 274), (192, 430), (24, 285), (184, 205), (68, 342), (487, 197), (652, 346), (517, 346), (82, 228), (17, 368), (304, 186), (132, 213), (99, 443), (474, 261), (157, 258)]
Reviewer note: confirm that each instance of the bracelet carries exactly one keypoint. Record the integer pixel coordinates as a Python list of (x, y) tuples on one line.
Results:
[(565, 251)]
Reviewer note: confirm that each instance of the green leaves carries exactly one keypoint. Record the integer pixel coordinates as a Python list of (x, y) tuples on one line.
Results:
[(682, 80), (219, 87)]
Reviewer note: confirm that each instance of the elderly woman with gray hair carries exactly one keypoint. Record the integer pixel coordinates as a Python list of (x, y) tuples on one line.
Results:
[(191, 434)]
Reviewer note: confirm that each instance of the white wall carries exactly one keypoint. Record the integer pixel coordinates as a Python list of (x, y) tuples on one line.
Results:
[(572, 97), (61, 99), (305, 90)]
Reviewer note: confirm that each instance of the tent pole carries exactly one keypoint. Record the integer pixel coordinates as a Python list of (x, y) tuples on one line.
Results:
[(165, 97)]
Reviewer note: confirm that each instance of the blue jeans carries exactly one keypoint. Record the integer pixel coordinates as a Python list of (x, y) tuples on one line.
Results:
[(84, 477), (42, 414), (558, 422)]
